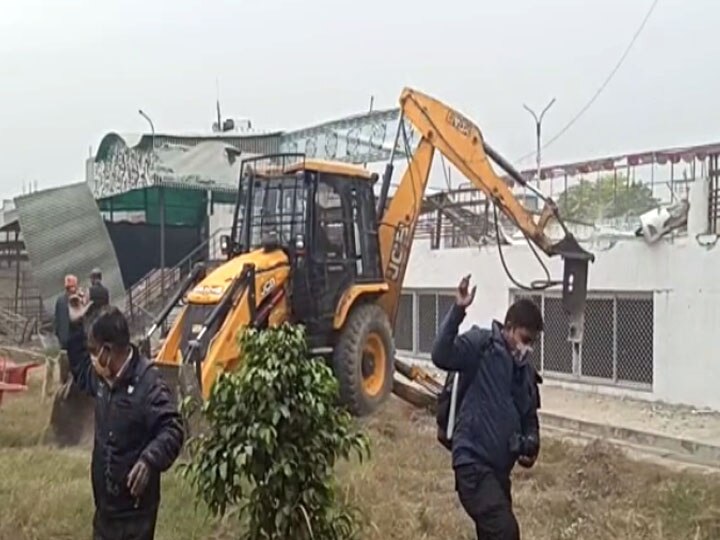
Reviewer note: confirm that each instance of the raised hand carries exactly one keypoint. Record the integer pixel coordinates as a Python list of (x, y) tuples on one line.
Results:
[(465, 296), (77, 307)]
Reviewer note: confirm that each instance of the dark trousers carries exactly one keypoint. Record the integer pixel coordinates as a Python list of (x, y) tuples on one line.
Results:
[(64, 366), (486, 498), (132, 527)]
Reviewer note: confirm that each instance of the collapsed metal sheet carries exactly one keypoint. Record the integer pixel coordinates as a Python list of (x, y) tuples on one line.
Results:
[(361, 138), (127, 162), (64, 233)]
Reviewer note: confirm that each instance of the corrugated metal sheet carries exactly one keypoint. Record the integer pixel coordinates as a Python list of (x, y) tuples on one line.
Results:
[(65, 234)]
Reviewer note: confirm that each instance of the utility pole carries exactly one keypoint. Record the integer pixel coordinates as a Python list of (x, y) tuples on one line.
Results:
[(538, 135)]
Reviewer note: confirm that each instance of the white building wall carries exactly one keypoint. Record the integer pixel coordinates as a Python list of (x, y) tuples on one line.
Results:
[(220, 218), (683, 276)]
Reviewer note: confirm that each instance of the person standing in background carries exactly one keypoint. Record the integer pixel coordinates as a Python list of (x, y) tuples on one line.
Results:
[(99, 295), (62, 324)]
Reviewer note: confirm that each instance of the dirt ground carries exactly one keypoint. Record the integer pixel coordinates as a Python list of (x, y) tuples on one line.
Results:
[(575, 492), (405, 491)]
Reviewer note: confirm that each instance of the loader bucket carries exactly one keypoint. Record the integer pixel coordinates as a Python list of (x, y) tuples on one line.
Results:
[(73, 412), (189, 388), (183, 383), (72, 417)]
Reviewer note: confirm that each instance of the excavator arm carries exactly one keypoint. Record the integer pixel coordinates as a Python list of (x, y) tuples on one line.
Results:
[(457, 138)]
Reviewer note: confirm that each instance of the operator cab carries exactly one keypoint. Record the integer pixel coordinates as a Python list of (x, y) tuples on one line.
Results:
[(322, 215)]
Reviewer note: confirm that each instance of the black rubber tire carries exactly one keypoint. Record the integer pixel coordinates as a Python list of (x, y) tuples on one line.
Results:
[(364, 320)]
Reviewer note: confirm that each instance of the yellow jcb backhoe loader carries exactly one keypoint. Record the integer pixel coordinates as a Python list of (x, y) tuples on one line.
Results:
[(311, 245)]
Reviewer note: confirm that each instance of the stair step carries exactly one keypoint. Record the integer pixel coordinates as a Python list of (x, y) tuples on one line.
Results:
[(148, 295)]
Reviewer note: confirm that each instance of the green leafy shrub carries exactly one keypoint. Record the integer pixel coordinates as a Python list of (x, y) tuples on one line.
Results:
[(274, 433)]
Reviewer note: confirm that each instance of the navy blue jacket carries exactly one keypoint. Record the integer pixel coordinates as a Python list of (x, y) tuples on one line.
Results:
[(501, 401), (62, 320), (100, 297), (135, 417)]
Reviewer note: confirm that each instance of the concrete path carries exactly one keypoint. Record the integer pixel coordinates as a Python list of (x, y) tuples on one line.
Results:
[(659, 418), (676, 433)]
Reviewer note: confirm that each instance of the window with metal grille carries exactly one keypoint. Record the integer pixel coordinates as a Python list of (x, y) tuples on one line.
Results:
[(405, 324), (634, 335), (427, 324), (617, 345), (444, 303), (597, 346), (557, 351), (420, 315)]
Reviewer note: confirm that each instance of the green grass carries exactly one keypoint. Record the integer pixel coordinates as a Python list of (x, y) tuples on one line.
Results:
[(404, 492), (46, 494)]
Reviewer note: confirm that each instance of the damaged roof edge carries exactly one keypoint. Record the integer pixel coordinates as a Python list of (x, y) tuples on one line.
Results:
[(144, 140)]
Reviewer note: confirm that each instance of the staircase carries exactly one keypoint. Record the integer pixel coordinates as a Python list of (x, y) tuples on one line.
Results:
[(146, 298), (149, 293), (17, 327)]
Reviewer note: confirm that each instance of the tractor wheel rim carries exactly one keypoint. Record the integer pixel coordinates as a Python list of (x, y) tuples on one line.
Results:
[(373, 365)]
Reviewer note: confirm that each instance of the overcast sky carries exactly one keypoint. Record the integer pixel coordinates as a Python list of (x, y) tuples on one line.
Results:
[(72, 70)]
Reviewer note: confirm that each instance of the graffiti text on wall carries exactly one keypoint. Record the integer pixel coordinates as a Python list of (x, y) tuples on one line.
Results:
[(122, 170)]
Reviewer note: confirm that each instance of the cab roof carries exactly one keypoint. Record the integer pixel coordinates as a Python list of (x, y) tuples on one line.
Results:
[(323, 166)]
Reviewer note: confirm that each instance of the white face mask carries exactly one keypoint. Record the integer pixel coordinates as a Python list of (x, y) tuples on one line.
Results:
[(102, 368), (523, 351)]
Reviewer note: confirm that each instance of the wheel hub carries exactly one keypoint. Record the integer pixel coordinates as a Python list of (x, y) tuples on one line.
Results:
[(368, 365), (373, 365)]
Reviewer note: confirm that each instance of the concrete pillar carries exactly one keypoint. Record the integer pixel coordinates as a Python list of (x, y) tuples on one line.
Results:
[(699, 199)]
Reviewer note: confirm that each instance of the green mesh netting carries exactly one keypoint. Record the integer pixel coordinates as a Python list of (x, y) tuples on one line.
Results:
[(182, 206)]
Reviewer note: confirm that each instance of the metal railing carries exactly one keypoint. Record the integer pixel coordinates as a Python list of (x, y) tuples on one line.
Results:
[(29, 306), (21, 317), (714, 195), (208, 251), (146, 297)]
